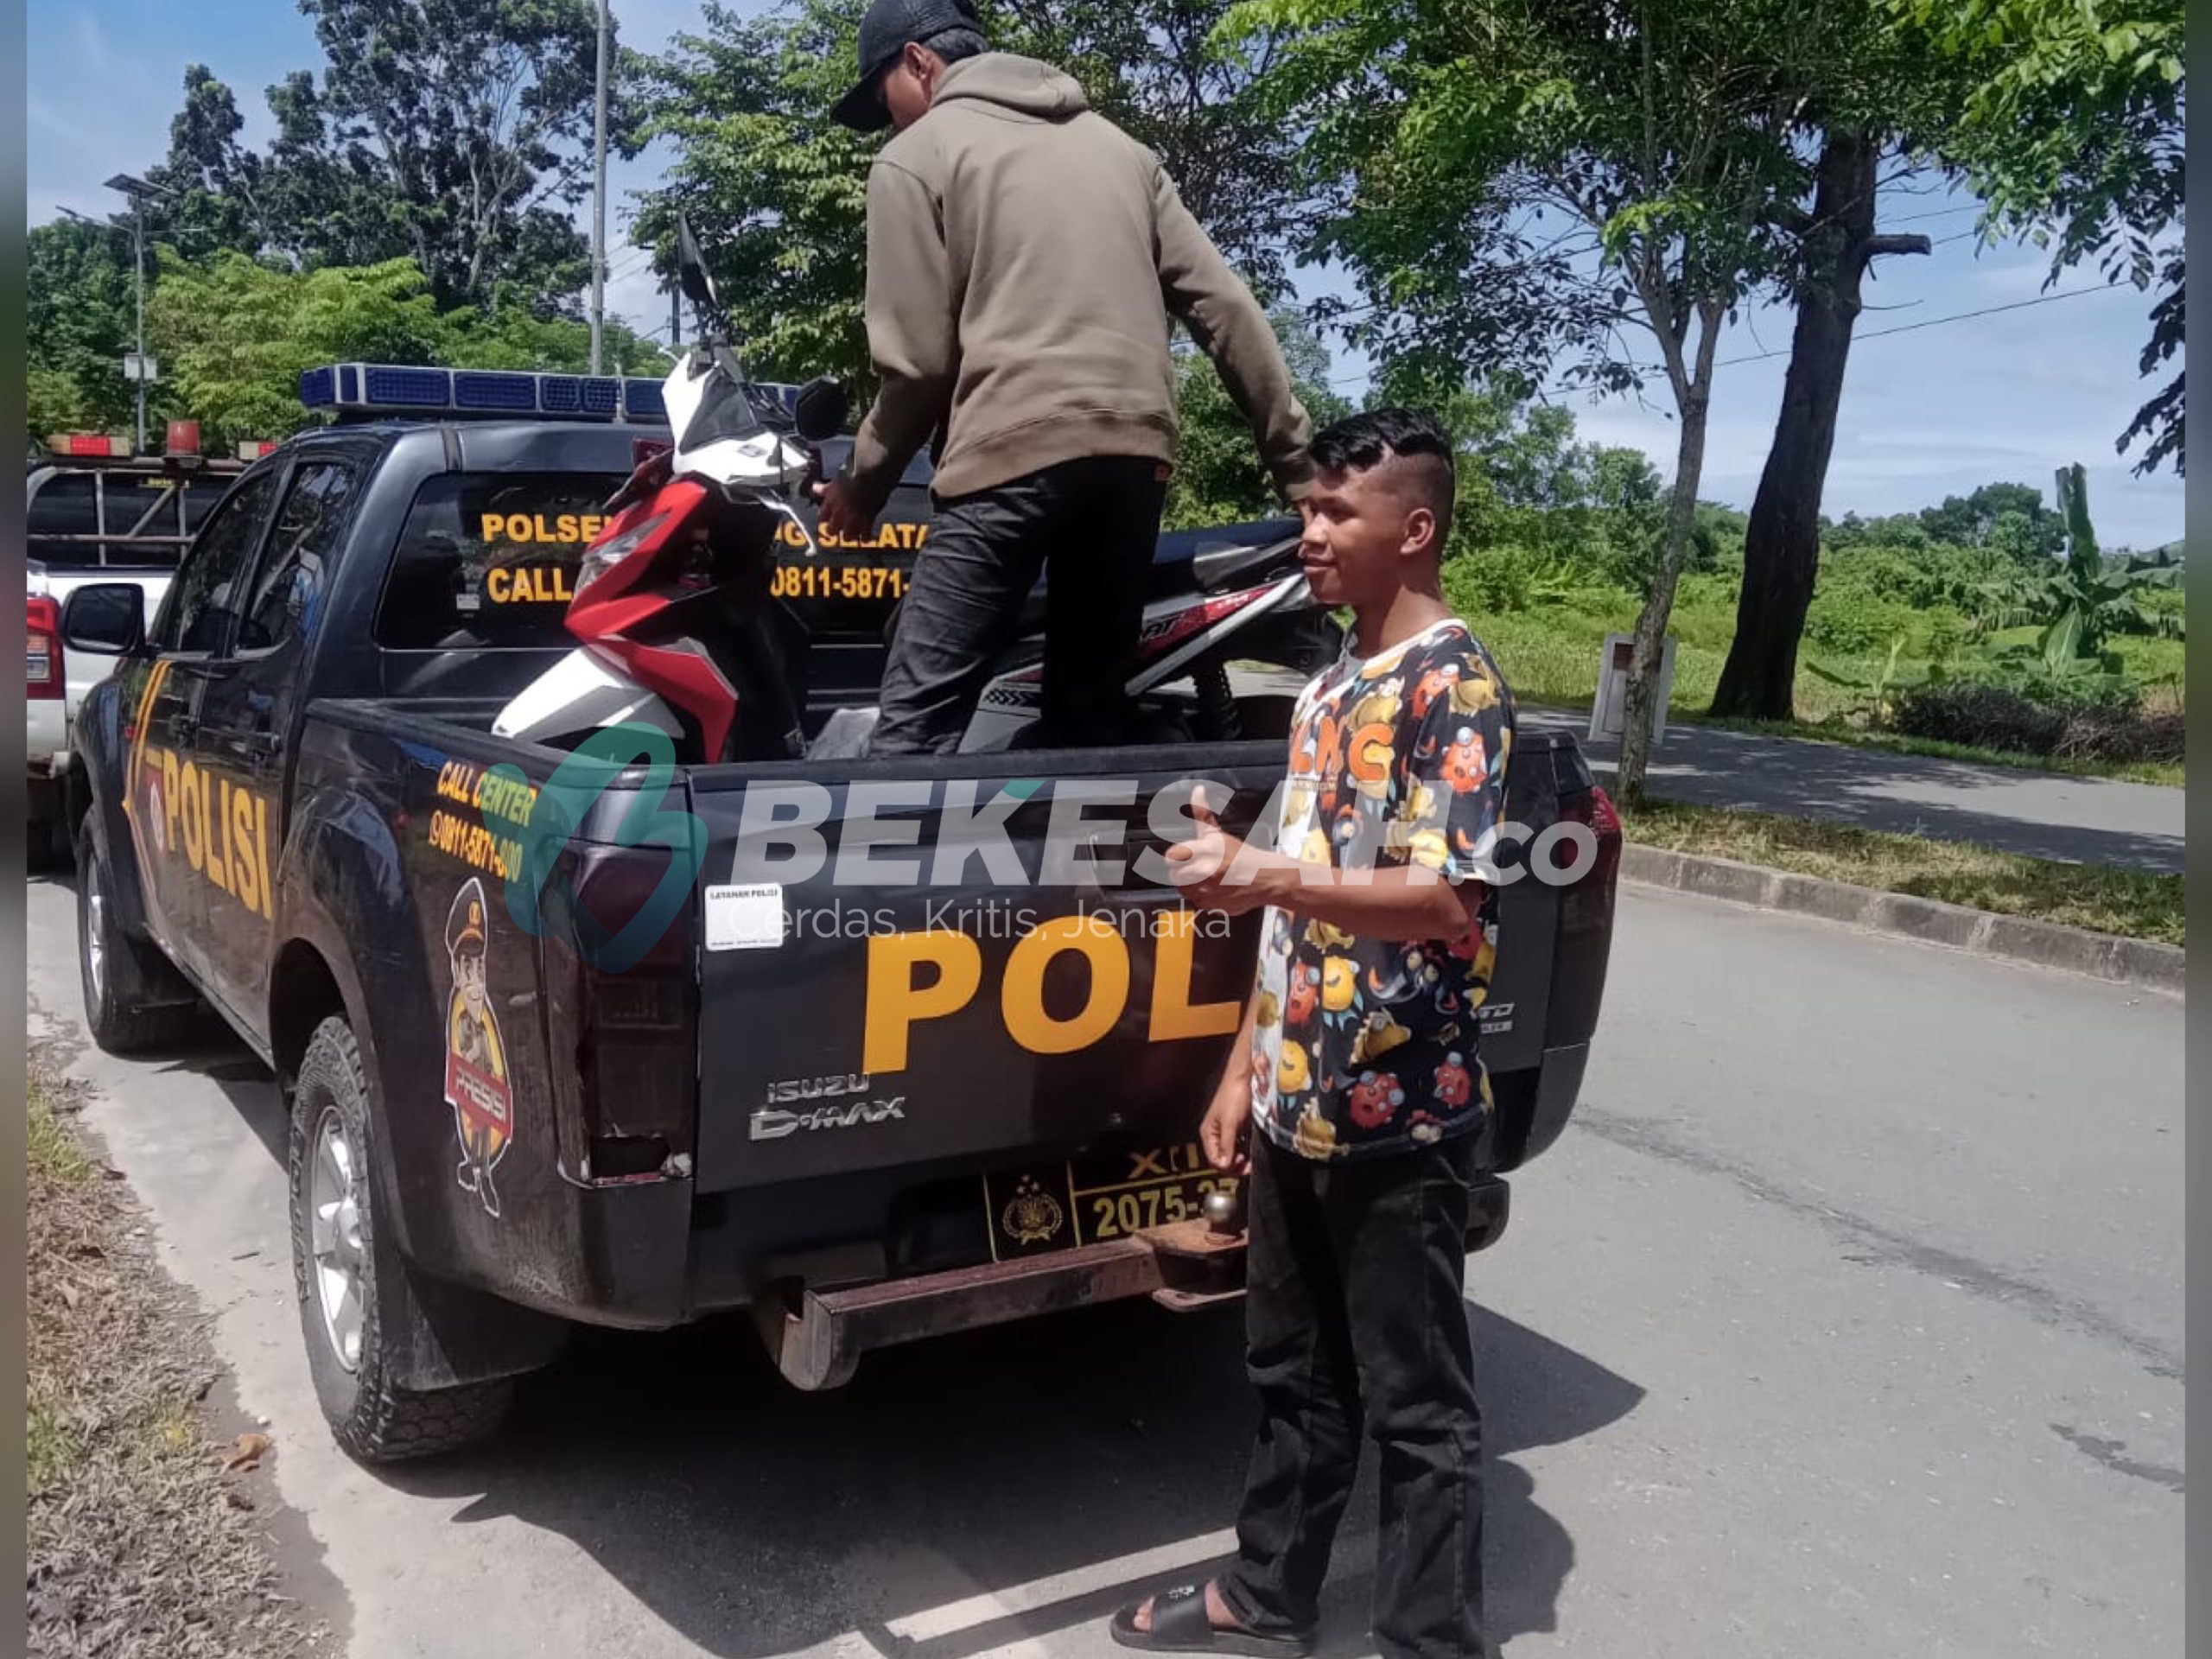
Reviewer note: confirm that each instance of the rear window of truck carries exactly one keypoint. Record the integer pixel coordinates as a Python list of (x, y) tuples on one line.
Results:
[(489, 559)]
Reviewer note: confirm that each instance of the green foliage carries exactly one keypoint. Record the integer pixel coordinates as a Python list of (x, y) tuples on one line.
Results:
[(2072, 129), (1878, 691), (235, 334), (79, 323), (1218, 478)]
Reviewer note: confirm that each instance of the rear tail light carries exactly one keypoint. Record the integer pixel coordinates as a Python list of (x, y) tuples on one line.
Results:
[(1596, 809), (43, 671), (633, 1026), (1583, 949)]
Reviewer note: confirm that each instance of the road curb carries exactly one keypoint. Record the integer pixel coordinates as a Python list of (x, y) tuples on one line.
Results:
[(1982, 933)]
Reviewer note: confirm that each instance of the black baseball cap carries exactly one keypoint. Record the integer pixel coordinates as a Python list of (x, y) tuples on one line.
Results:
[(886, 29)]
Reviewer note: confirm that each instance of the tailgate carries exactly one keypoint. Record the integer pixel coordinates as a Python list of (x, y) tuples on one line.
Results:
[(956, 959)]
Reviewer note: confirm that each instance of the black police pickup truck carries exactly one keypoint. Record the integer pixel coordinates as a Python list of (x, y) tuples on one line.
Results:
[(608, 1088)]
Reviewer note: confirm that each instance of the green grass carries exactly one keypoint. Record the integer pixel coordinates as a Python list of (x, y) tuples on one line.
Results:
[(50, 1154), (2134, 905), (1550, 654)]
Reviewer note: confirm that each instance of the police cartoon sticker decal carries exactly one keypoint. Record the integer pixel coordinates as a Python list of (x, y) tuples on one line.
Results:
[(476, 1058)]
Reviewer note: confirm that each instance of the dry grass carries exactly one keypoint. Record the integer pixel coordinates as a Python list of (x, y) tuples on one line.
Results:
[(140, 1542), (2134, 905)]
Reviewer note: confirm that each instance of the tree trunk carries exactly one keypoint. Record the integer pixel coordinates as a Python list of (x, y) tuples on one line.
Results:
[(1782, 546), (1659, 602)]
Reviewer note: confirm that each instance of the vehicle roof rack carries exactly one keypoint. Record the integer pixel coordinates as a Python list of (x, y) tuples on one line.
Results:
[(358, 392)]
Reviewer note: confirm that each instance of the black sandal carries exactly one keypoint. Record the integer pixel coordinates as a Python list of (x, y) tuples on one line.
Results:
[(1179, 1624)]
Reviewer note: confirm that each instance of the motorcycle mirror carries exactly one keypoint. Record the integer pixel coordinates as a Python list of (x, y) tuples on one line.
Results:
[(821, 409), (691, 267)]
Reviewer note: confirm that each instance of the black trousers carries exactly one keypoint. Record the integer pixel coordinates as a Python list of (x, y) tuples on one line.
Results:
[(1355, 1317), (1090, 526)]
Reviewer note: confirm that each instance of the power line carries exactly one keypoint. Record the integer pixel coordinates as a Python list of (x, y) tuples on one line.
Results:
[(1938, 213), (1956, 316), (1875, 333)]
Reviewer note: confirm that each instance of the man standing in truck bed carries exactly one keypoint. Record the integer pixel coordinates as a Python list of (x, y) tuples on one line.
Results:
[(1024, 257)]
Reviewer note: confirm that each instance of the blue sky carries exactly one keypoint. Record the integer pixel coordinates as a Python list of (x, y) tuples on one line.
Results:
[(1932, 412)]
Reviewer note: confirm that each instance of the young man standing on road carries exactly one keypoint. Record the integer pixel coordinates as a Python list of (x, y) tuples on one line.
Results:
[(1024, 257), (1357, 1063)]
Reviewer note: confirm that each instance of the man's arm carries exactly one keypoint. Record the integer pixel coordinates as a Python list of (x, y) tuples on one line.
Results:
[(911, 334), (1221, 1133), (1199, 288)]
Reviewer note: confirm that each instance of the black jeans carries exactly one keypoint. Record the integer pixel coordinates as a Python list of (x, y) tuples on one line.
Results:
[(1355, 1277), (1090, 525)]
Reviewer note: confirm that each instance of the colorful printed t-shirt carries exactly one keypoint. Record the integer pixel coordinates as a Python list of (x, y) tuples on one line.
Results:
[(1368, 1046)]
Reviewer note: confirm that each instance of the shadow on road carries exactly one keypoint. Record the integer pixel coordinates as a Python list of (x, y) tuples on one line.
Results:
[(756, 1519)]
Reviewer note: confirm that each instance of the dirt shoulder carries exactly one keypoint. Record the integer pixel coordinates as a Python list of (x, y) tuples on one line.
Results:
[(154, 1528)]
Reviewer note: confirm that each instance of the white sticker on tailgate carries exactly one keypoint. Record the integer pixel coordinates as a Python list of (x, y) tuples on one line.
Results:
[(745, 919)]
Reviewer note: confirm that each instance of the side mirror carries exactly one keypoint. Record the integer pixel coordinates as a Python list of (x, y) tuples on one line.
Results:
[(691, 267), (108, 618), (820, 412)]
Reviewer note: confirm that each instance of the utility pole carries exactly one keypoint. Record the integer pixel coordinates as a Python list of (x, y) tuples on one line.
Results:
[(599, 198), (138, 189), (675, 315)]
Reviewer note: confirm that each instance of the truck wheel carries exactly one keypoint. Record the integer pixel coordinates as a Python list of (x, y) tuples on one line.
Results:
[(134, 1000), (351, 1287)]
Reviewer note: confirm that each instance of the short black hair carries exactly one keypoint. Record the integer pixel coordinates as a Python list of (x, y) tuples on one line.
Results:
[(1363, 442), (955, 44)]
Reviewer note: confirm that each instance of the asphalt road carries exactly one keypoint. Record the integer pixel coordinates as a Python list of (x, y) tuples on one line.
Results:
[(1846, 1320), (2041, 814)]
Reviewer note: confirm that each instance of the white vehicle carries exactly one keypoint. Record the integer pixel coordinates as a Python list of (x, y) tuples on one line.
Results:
[(94, 512)]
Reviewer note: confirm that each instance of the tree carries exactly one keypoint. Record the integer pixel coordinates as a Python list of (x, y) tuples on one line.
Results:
[(776, 192), (2010, 515), (1485, 138), (79, 321), (454, 132), (480, 114), (235, 333), (2072, 130), (1836, 241)]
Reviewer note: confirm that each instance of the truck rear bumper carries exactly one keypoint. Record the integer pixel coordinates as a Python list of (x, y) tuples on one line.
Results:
[(819, 1344)]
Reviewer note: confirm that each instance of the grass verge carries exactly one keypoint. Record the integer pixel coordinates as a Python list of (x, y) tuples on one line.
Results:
[(141, 1541), (2135, 905)]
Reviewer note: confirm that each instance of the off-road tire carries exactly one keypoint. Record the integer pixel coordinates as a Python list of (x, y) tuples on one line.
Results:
[(135, 999), (370, 1416)]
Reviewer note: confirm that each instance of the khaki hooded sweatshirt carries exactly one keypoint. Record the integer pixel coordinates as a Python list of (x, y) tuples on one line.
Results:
[(1024, 256)]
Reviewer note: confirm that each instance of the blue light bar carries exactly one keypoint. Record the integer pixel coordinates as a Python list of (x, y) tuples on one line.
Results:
[(397, 390)]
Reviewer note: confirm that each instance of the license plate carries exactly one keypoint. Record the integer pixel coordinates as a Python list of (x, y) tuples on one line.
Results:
[(1101, 1196)]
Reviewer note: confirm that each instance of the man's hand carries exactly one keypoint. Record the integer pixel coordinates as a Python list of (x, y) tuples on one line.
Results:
[(1220, 1135), (840, 519), (1214, 856)]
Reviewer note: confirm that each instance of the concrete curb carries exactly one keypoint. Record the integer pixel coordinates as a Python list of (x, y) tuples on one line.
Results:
[(2046, 944)]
